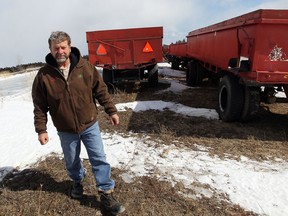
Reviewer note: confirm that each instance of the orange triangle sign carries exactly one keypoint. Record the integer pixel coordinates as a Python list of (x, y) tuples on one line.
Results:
[(147, 48), (101, 50)]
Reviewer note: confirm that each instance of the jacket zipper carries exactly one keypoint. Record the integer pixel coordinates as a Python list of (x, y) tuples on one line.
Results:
[(76, 121), (73, 108)]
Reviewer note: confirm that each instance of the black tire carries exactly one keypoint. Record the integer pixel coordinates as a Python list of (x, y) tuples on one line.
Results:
[(271, 99), (191, 74), (285, 87), (175, 64), (194, 74), (107, 76), (230, 99), (153, 79), (200, 71), (251, 103)]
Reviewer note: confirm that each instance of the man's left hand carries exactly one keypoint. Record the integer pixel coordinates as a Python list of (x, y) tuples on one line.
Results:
[(114, 119)]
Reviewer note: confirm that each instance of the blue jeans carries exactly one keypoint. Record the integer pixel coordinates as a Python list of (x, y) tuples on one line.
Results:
[(92, 140)]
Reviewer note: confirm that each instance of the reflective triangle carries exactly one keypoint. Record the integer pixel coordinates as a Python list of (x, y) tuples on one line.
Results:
[(101, 50), (147, 48)]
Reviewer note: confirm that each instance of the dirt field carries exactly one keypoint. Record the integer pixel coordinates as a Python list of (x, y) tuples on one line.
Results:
[(44, 189)]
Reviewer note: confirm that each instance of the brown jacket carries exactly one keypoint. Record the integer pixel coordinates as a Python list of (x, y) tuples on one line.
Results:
[(71, 103)]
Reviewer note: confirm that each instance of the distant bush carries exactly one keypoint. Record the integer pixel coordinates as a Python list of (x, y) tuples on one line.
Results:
[(21, 67)]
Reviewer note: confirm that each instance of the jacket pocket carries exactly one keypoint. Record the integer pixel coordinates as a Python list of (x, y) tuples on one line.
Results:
[(62, 114)]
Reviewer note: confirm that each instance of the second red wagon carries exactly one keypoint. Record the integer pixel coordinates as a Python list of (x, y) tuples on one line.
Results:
[(127, 54)]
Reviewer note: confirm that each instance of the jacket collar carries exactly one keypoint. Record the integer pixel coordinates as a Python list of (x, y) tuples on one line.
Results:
[(74, 58)]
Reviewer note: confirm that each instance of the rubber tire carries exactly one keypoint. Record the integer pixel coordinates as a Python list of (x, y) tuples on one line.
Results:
[(107, 76), (175, 64), (230, 99), (285, 87), (194, 74), (200, 71), (153, 79), (191, 75), (251, 103)]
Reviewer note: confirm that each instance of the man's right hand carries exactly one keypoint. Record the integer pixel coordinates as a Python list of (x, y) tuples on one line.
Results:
[(43, 138)]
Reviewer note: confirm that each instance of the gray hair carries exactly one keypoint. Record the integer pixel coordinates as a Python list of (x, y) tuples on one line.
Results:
[(59, 36)]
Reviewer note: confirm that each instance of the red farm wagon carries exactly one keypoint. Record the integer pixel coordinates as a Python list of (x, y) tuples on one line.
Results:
[(176, 54), (127, 54), (247, 54)]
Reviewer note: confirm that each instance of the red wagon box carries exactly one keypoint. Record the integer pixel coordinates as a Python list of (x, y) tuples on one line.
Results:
[(125, 48), (124, 53)]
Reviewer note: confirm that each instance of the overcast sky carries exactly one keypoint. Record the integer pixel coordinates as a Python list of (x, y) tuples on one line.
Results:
[(27, 24)]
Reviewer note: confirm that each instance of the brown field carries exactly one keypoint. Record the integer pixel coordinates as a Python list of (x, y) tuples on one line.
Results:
[(44, 188)]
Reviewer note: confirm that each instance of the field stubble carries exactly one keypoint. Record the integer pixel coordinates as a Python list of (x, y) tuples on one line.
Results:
[(44, 188)]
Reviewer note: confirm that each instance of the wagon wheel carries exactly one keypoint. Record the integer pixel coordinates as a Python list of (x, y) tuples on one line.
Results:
[(107, 76), (191, 74), (175, 64), (269, 95), (251, 102), (153, 79), (200, 74), (195, 73), (230, 99), (285, 87)]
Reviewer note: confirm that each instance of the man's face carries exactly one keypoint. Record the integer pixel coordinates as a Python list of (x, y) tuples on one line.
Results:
[(60, 51)]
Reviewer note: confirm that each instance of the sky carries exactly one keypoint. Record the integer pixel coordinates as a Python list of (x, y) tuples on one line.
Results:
[(260, 187), (27, 25)]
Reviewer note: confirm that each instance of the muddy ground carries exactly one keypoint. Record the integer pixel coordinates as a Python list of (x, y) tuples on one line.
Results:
[(44, 188)]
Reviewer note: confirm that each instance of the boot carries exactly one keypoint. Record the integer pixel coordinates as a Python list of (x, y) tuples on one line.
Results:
[(110, 204), (77, 190)]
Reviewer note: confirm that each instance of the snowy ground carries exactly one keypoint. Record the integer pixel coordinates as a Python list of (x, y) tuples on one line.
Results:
[(259, 187)]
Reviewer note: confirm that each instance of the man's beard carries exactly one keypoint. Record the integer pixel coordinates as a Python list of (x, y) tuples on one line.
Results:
[(61, 59)]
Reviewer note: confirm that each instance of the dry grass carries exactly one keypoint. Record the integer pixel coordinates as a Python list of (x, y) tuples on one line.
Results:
[(44, 189), (5, 73)]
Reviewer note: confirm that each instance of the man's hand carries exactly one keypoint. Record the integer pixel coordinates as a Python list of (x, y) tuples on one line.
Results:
[(43, 138), (114, 119)]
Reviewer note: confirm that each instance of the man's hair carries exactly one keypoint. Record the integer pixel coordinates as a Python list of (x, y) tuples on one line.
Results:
[(58, 37)]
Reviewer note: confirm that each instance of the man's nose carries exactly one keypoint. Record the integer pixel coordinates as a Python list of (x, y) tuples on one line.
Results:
[(60, 50)]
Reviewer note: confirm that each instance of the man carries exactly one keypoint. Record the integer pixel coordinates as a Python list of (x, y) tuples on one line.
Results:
[(67, 87)]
